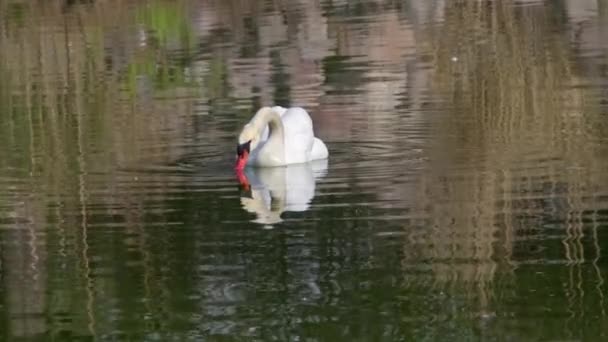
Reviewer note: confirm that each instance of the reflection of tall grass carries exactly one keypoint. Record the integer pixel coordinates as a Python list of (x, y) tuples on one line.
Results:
[(63, 113), (519, 119)]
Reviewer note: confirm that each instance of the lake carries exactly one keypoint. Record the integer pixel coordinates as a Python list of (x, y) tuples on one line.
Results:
[(465, 197)]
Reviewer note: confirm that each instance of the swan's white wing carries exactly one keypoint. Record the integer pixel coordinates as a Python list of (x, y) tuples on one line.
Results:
[(319, 150), (299, 137)]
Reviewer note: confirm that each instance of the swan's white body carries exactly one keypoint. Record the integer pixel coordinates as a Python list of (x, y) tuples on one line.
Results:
[(282, 136)]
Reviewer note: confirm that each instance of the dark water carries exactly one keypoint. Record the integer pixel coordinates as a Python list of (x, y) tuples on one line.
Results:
[(465, 198)]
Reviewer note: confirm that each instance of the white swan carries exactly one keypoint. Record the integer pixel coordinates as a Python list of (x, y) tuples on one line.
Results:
[(278, 136), (272, 191)]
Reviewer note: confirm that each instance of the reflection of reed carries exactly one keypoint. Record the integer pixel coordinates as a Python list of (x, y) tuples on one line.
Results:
[(75, 88), (67, 121), (516, 123), (598, 273), (461, 229)]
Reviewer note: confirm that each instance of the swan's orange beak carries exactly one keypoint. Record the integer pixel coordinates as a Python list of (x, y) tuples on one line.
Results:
[(242, 152)]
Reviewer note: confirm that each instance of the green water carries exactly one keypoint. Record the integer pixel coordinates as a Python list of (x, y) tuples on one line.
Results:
[(465, 197)]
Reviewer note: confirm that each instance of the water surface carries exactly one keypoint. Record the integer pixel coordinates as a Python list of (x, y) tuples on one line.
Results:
[(465, 198)]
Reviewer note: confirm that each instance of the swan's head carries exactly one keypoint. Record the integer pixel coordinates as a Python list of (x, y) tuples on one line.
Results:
[(248, 140)]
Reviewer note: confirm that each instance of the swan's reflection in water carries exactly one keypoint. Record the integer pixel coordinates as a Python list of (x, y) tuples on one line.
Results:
[(268, 192)]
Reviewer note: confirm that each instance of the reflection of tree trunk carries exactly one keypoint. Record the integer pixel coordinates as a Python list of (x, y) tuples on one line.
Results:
[(77, 94), (25, 258), (24, 271)]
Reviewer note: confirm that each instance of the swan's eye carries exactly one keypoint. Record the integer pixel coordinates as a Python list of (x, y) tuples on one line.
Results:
[(242, 148)]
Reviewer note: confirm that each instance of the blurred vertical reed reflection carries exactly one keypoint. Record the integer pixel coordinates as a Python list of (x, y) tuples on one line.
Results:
[(70, 107), (518, 149)]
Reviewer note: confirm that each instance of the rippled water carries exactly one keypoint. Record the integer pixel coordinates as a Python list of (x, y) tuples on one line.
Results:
[(465, 197)]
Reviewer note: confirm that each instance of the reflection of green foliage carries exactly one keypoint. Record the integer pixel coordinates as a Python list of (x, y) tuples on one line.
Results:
[(167, 21), (146, 66), (168, 24), (16, 14), (216, 80), (164, 74)]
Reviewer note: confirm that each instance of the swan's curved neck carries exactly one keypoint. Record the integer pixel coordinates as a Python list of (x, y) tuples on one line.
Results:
[(267, 116), (272, 151)]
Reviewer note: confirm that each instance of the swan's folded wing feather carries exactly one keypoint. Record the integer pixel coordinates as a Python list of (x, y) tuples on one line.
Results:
[(319, 150), (299, 136), (297, 118)]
